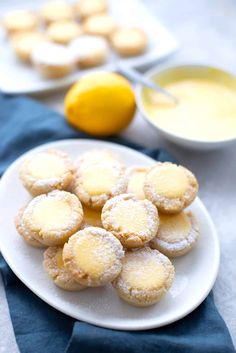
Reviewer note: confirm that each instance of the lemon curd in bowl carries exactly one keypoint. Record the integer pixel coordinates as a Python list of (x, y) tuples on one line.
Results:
[(205, 115)]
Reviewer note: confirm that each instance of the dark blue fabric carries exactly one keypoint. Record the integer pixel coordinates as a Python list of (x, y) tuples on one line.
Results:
[(41, 329)]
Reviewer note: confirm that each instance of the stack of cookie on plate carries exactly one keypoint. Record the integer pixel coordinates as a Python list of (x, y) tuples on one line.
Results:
[(103, 222), (62, 37)]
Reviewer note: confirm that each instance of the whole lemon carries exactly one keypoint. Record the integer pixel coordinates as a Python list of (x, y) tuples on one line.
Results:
[(101, 103)]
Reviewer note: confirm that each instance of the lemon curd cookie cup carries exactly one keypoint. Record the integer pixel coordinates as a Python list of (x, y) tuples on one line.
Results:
[(52, 218), (20, 21), (24, 43), (145, 277), (96, 183), (54, 266), (43, 172), (96, 156), (89, 51), (93, 256), (24, 232), (136, 176), (63, 32), (52, 60), (170, 187), (86, 8), (177, 234), (129, 41), (56, 10), (101, 25), (134, 222)]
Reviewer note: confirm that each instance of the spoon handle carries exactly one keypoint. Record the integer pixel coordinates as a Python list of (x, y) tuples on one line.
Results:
[(136, 77)]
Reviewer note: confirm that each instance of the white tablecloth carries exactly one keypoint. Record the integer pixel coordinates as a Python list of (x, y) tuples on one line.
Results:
[(207, 34)]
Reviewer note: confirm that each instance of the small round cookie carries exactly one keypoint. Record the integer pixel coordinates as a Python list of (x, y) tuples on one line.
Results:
[(63, 32), (89, 51), (100, 25), (129, 41), (134, 222), (52, 60), (56, 10), (20, 21), (52, 218), (97, 156), (86, 8), (25, 234), (92, 218), (54, 266), (170, 187), (43, 172), (93, 256), (145, 277), (24, 43), (97, 183), (177, 234), (136, 177)]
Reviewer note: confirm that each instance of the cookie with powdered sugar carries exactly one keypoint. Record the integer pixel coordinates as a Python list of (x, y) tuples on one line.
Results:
[(134, 222), (145, 277), (96, 183), (97, 156), (177, 234), (170, 187), (100, 25), (52, 60), (54, 266), (52, 218), (130, 41), (24, 232), (56, 10), (89, 51), (93, 256), (45, 171)]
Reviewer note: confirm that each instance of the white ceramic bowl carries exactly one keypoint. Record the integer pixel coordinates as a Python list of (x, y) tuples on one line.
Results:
[(202, 71)]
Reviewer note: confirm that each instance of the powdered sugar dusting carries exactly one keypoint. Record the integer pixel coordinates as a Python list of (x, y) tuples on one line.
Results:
[(52, 54), (179, 245), (145, 234), (55, 234), (109, 245), (144, 296), (86, 45)]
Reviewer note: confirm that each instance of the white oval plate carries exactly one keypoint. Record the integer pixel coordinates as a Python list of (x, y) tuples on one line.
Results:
[(195, 273)]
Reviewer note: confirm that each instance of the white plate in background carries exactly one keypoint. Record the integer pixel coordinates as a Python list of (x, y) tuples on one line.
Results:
[(18, 78), (195, 272)]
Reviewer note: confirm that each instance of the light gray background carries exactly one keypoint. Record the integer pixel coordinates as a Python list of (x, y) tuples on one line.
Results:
[(206, 30)]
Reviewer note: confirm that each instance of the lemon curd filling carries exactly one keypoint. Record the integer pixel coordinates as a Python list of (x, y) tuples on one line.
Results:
[(99, 180), (130, 216), (206, 109), (51, 214), (92, 217), (92, 257), (46, 166), (135, 184), (174, 227), (143, 274), (169, 181)]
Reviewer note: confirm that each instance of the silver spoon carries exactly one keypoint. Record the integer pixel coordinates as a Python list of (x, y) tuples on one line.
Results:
[(136, 77)]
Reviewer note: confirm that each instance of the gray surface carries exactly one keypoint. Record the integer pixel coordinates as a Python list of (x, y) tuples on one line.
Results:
[(207, 32), (7, 338)]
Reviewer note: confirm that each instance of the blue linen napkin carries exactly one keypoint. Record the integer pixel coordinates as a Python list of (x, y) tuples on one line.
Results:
[(38, 327)]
